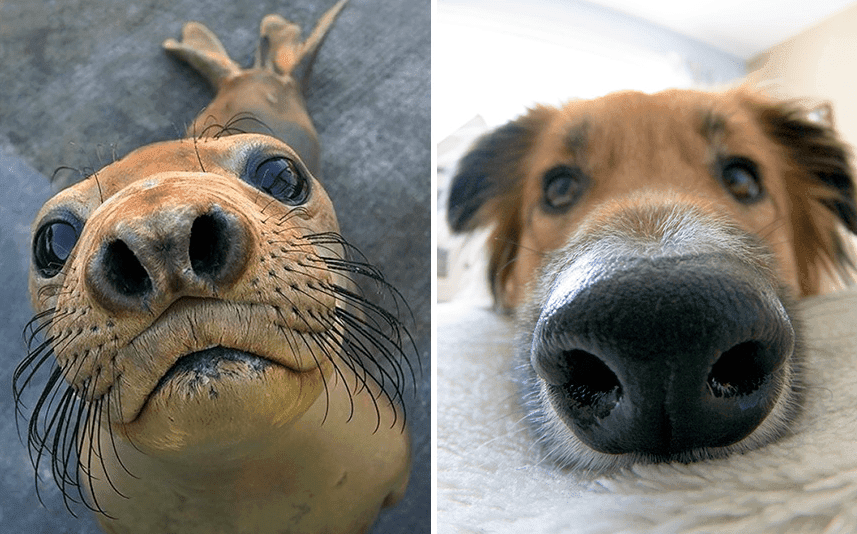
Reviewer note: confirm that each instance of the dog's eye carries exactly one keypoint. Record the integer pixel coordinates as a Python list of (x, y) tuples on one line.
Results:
[(281, 178), (740, 176), (53, 243), (561, 187)]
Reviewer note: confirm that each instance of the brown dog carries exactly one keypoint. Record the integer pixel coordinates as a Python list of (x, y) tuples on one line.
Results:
[(218, 368), (650, 246)]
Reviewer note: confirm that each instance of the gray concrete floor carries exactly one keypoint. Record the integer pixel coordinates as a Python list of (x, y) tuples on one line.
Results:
[(85, 81)]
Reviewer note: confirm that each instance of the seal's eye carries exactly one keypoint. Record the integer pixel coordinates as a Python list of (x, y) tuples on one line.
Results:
[(562, 187), (53, 244), (281, 178), (740, 176)]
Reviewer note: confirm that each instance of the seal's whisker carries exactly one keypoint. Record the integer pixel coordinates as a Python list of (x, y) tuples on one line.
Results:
[(51, 290), (69, 461), (335, 238), (365, 374), (324, 379), (70, 457), (37, 324), (58, 423), (325, 348), (297, 211), (389, 348), (91, 428), (66, 437), (198, 155), (54, 427), (84, 455), (29, 367), (288, 334), (358, 335), (61, 343), (271, 202), (364, 355), (98, 182), (216, 130), (319, 264), (62, 445), (114, 389), (100, 407), (372, 310), (37, 440), (26, 369), (366, 269)]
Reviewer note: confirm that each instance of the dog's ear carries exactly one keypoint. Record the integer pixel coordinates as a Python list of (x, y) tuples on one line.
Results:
[(491, 172), (821, 187), (486, 191), (816, 150)]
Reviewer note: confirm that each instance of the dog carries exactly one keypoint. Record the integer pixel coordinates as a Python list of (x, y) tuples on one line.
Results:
[(651, 248), (215, 363)]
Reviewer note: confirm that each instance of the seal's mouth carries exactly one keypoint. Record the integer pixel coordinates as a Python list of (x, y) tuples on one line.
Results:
[(211, 365), (224, 345)]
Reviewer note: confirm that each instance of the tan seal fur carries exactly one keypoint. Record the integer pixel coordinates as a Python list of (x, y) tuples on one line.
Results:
[(215, 368)]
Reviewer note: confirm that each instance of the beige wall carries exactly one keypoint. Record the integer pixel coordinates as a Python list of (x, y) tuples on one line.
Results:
[(820, 64)]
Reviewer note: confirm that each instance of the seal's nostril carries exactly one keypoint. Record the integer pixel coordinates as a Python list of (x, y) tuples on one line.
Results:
[(153, 261), (124, 272), (209, 245)]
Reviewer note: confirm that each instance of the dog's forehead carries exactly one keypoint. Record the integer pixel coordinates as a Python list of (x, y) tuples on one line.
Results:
[(632, 106), (691, 112), (634, 126)]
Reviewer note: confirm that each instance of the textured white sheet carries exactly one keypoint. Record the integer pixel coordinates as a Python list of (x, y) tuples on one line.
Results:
[(490, 478)]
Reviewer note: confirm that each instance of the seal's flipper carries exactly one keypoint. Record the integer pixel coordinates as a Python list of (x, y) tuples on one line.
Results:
[(280, 47), (265, 98), (200, 48)]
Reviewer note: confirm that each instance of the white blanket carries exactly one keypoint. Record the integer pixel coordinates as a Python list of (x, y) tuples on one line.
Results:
[(490, 478)]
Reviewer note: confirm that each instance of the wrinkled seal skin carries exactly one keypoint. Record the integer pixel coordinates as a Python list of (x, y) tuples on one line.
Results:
[(218, 365)]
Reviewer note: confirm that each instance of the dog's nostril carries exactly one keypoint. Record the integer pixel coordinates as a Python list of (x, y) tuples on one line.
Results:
[(124, 272), (741, 370), (587, 378), (590, 387), (208, 247)]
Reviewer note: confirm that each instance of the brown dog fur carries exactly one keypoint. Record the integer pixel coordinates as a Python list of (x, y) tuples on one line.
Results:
[(667, 141)]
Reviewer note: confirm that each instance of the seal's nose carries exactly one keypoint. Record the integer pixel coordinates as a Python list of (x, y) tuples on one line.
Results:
[(150, 261)]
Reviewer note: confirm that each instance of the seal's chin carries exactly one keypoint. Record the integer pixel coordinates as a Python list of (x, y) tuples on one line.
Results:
[(193, 372), (210, 398)]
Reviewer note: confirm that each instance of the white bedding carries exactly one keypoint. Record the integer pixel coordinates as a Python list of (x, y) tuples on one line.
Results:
[(490, 478)]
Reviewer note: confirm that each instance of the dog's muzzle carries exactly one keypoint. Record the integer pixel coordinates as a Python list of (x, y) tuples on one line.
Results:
[(662, 355)]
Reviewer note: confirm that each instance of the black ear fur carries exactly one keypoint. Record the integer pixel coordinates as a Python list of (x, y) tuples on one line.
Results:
[(491, 170), (817, 149)]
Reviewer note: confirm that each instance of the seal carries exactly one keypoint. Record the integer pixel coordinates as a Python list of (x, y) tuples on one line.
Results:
[(217, 357)]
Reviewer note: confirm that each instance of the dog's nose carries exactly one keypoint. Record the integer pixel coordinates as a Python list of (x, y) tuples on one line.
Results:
[(662, 356), (150, 260)]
